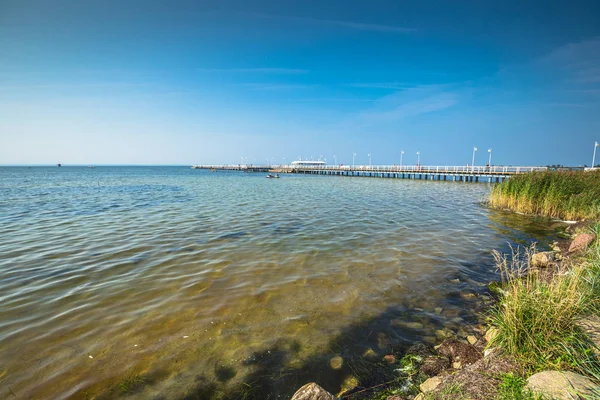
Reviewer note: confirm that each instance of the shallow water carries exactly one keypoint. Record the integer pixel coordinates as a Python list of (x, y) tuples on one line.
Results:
[(167, 282)]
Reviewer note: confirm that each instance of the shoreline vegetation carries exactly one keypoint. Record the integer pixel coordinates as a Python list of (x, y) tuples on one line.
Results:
[(542, 336), (565, 195)]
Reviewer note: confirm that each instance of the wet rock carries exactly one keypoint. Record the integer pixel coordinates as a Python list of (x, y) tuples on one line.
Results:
[(468, 296), (312, 391), (443, 333), (543, 259), (382, 340), (369, 353), (430, 384), (336, 362), (408, 325), (348, 384), (437, 310), (419, 349), (459, 352), (471, 339), (561, 385), (581, 242), (390, 359), (433, 365)]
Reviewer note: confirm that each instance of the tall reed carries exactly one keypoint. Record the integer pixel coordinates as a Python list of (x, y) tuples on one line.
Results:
[(571, 195), (537, 319)]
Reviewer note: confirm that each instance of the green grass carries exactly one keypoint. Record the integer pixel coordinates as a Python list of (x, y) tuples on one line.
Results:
[(512, 387), (537, 319), (572, 195)]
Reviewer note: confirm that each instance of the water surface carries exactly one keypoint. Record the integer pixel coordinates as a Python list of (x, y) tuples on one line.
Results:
[(172, 283)]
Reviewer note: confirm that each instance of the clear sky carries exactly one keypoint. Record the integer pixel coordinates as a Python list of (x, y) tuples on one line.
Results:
[(185, 82)]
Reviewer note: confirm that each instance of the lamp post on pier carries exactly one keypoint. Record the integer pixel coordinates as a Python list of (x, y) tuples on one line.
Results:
[(334, 159), (418, 158), (401, 154), (353, 155), (594, 157), (473, 162), (369, 159)]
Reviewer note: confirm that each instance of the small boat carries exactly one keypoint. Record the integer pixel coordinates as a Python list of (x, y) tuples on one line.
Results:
[(272, 176)]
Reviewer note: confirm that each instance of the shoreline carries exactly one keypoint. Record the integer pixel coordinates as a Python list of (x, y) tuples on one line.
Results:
[(475, 366)]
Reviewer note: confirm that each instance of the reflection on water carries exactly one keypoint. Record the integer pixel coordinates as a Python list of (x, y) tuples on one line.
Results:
[(167, 282)]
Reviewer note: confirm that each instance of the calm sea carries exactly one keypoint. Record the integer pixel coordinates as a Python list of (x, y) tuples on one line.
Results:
[(173, 283)]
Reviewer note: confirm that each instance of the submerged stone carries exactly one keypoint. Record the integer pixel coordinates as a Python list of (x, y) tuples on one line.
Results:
[(336, 362)]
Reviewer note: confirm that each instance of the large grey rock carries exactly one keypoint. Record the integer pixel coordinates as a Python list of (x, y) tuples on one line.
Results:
[(581, 241), (591, 326), (312, 391), (560, 385), (542, 259)]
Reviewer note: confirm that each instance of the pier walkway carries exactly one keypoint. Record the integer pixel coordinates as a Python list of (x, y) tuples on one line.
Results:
[(439, 173)]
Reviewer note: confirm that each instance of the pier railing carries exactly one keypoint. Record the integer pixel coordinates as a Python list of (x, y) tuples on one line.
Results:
[(428, 169)]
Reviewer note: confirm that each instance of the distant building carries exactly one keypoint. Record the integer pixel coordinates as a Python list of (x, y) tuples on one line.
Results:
[(306, 163)]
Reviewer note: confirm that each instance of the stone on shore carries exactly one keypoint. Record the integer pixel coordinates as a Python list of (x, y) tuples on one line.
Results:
[(471, 339), (491, 334), (561, 385), (581, 242), (312, 391), (430, 384), (542, 259), (591, 326)]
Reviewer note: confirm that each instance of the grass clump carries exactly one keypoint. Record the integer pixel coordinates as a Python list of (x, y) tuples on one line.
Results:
[(569, 195), (512, 387), (537, 319)]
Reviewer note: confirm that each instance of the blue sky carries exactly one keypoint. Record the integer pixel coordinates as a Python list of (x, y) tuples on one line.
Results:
[(185, 82)]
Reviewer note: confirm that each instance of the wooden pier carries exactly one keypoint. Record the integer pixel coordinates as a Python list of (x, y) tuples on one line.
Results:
[(438, 173)]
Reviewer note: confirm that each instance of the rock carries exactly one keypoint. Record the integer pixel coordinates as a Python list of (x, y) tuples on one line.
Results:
[(491, 334), (369, 353), (430, 384), (561, 385), (443, 333), (471, 339), (591, 326), (390, 358), (581, 241), (312, 391), (542, 259), (395, 397), (336, 362), (408, 325), (459, 352), (438, 310), (433, 365), (457, 365), (489, 352), (348, 384), (468, 296), (420, 396)]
